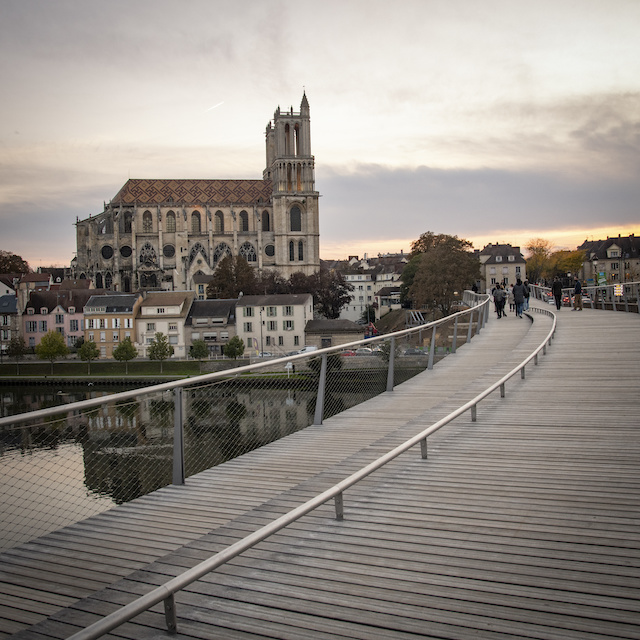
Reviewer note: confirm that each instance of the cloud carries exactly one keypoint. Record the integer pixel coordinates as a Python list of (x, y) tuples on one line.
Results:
[(377, 202)]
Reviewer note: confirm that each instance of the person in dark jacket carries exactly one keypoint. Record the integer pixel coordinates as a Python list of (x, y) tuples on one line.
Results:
[(577, 296), (518, 296), (499, 298), (556, 289)]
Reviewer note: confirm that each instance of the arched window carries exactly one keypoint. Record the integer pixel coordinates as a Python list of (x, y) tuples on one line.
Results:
[(287, 140), (292, 251), (296, 137), (244, 221), (195, 222), (248, 252), (126, 284), (219, 228), (148, 255), (171, 222), (108, 280), (220, 252), (127, 222), (99, 281), (195, 250), (147, 222), (289, 179), (295, 219), (300, 250), (266, 221)]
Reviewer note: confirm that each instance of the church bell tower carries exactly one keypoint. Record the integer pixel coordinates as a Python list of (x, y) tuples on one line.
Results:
[(290, 168)]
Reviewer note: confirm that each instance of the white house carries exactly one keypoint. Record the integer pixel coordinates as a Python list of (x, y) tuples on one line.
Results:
[(164, 312), (273, 323)]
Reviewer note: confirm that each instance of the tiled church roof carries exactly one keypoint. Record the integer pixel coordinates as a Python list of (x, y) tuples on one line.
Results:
[(190, 192)]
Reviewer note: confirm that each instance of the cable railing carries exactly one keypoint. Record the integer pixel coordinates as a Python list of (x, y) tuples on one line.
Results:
[(166, 592), (612, 297), (61, 464)]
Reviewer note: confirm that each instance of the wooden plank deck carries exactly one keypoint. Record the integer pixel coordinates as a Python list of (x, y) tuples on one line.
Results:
[(521, 525)]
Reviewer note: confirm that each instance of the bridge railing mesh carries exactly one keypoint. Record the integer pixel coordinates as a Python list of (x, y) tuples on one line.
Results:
[(78, 461)]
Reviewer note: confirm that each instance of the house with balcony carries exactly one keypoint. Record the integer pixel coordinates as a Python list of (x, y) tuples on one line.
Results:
[(213, 321), (109, 319), (164, 312), (273, 323)]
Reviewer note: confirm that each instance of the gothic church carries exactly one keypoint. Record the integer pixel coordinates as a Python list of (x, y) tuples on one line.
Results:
[(160, 234)]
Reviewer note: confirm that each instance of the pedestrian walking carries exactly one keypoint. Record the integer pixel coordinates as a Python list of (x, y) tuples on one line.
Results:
[(527, 295), (512, 300), (499, 300), (518, 296), (577, 296), (556, 290)]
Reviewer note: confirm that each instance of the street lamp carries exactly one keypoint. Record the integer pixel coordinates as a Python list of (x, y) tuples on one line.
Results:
[(261, 348), (594, 264)]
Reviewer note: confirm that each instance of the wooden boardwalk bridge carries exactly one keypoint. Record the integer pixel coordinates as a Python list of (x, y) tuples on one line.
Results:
[(523, 524)]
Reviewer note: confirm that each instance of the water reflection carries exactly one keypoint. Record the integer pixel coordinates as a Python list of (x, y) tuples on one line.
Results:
[(126, 448)]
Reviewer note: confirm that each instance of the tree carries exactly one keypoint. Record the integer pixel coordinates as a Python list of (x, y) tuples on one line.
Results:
[(442, 276), (426, 243), (331, 293), (88, 351), (160, 349), (271, 282), (565, 262), (17, 350), (199, 351), (234, 348), (52, 347), (232, 277), (124, 352), (538, 262), (429, 240), (12, 263)]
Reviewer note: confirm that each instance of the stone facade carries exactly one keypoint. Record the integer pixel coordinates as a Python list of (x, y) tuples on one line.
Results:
[(160, 234)]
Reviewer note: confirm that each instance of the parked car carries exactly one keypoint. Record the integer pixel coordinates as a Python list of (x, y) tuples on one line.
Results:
[(348, 352), (265, 354), (364, 351), (414, 351)]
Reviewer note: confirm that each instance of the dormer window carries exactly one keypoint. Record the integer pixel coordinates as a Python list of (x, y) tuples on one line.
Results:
[(512, 258), (30, 311), (498, 258), (72, 309), (44, 311)]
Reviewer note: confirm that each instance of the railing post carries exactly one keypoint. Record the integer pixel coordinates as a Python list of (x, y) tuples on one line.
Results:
[(432, 347), (178, 437), (170, 614), (502, 390), (392, 357), (479, 323), (339, 506), (455, 335), (522, 372), (473, 413), (470, 325), (319, 412), (423, 448)]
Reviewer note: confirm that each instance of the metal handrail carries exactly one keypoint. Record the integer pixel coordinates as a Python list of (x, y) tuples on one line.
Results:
[(605, 292), (480, 300), (165, 593)]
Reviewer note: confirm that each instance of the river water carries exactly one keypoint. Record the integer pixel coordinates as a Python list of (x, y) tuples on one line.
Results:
[(77, 465)]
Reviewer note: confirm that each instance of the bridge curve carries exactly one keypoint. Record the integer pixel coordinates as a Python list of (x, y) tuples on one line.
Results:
[(521, 524)]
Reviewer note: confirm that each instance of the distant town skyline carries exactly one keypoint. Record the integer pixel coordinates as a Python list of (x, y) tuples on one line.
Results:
[(499, 121)]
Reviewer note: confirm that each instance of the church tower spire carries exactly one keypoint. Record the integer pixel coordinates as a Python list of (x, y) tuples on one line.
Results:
[(291, 170)]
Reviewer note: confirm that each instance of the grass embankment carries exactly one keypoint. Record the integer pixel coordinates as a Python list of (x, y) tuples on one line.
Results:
[(62, 369)]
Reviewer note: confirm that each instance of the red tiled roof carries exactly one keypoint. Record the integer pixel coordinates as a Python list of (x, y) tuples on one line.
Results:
[(190, 192)]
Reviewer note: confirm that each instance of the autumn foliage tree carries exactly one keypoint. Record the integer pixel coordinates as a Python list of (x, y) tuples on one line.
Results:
[(12, 263)]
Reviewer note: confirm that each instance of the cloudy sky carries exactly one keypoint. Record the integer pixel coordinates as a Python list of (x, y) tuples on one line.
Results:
[(492, 120)]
